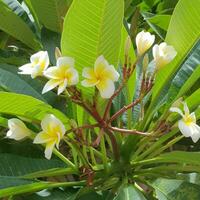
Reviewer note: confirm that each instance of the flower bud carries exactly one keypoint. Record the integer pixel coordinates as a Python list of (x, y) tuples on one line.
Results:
[(144, 41), (163, 54), (17, 129), (127, 46), (58, 53)]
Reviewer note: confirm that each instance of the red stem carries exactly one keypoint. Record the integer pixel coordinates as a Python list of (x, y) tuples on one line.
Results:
[(124, 109)]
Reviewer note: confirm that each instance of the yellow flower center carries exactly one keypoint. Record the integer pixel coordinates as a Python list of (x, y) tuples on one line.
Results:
[(53, 132), (188, 119)]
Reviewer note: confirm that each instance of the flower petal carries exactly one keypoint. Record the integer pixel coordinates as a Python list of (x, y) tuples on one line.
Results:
[(41, 138), (111, 73), (51, 84), (196, 133), (100, 65), (89, 82), (186, 130), (72, 76), (44, 60), (17, 129), (65, 61), (106, 88), (186, 109), (50, 122), (37, 71), (49, 149), (52, 73), (35, 58), (193, 117), (26, 69), (88, 72), (62, 87), (177, 110)]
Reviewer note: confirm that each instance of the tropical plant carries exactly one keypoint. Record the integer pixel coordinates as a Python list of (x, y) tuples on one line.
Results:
[(90, 108)]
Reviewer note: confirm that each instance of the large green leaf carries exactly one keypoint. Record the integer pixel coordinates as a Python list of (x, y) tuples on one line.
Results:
[(27, 106), (20, 166), (8, 23), (191, 158), (51, 12), (17, 8), (11, 81), (50, 41), (159, 23), (91, 29), (186, 76), (56, 194), (183, 34), (11, 185), (169, 189), (129, 192), (12, 57)]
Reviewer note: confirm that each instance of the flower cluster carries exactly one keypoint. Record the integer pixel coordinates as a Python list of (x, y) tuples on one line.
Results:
[(52, 132), (64, 73), (162, 53), (102, 76)]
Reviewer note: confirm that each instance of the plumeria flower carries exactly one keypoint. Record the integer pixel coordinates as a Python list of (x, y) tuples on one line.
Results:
[(102, 76), (144, 41), (187, 125), (163, 54), (39, 63), (62, 75), (52, 132), (17, 129)]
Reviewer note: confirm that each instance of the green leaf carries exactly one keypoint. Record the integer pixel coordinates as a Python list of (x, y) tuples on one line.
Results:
[(3, 122), (183, 34), (169, 189), (161, 21), (16, 7), (129, 192), (191, 178), (186, 76), (8, 23), (91, 29), (191, 158), (12, 57), (50, 41), (12, 186), (51, 12), (13, 82), (56, 194), (28, 107), (20, 166)]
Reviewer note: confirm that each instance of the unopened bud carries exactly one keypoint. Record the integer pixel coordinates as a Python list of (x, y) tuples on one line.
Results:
[(127, 46), (73, 123), (57, 53)]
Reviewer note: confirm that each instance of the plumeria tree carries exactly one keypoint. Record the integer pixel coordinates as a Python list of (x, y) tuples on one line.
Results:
[(98, 105)]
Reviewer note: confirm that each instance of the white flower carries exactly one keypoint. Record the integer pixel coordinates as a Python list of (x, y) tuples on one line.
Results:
[(62, 75), (39, 63), (102, 76), (163, 54), (52, 132), (187, 125), (144, 41), (17, 129)]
